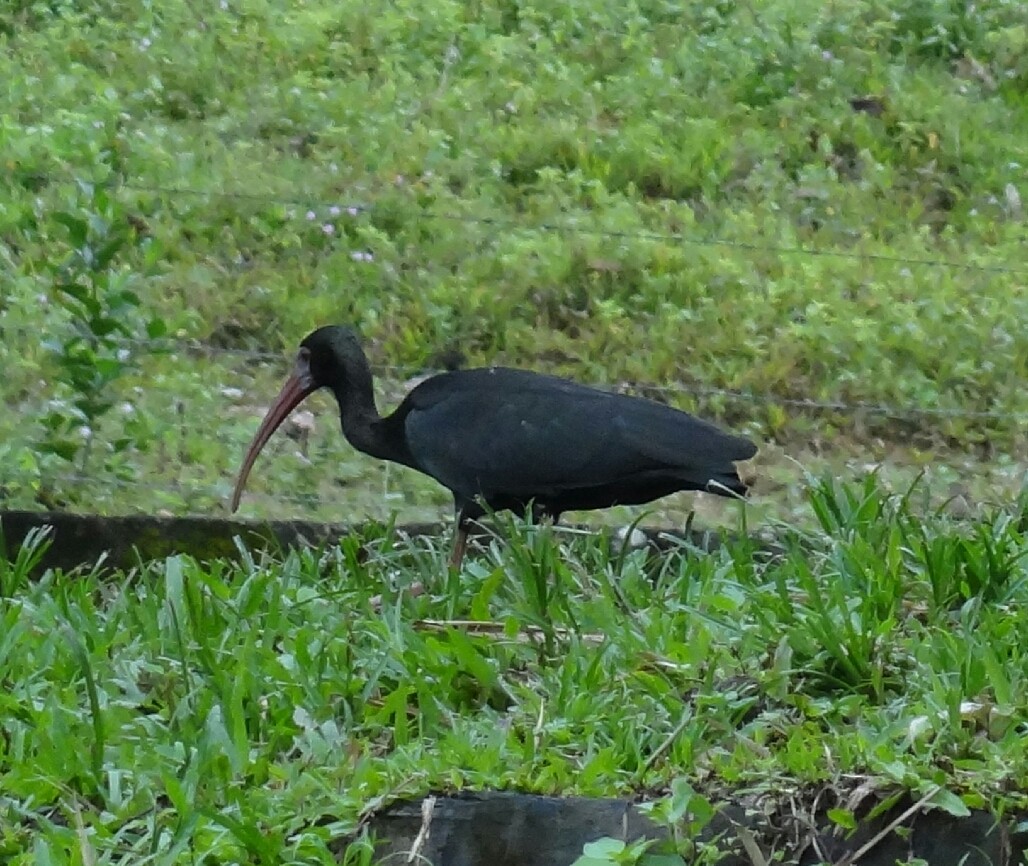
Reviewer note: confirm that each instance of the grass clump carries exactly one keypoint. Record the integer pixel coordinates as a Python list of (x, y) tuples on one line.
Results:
[(261, 710)]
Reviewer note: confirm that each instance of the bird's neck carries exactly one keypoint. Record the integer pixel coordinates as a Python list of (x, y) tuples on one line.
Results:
[(359, 416)]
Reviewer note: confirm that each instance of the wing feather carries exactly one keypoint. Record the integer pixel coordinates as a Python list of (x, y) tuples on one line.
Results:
[(521, 434)]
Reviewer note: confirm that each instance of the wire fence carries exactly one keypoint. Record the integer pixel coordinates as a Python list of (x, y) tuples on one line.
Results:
[(354, 208), (395, 379), (303, 451), (335, 208)]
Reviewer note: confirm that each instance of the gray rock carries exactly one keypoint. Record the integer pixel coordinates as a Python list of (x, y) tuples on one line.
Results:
[(509, 829)]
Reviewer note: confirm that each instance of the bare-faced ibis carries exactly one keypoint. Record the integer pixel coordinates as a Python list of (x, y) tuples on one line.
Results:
[(512, 439)]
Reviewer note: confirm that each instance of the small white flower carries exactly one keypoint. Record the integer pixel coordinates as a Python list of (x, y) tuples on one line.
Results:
[(353, 211), (334, 210), (362, 256), (123, 355), (311, 216), (144, 44), (328, 229), (1013, 198)]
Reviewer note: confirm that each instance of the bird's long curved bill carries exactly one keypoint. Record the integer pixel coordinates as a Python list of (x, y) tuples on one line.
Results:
[(296, 389)]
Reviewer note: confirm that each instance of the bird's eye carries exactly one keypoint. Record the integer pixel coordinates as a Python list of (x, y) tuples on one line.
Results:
[(303, 364)]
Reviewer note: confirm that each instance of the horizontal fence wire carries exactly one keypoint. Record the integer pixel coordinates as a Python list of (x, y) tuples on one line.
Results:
[(399, 375), (214, 493), (337, 208), (394, 378)]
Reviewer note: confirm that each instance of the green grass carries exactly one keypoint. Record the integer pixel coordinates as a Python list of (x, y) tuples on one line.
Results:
[(259, 712), (669, 195)]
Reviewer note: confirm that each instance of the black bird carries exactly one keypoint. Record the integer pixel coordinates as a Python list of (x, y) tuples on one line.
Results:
[(510, 439)]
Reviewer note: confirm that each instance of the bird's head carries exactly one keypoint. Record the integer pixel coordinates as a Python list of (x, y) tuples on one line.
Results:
[(327, 358)]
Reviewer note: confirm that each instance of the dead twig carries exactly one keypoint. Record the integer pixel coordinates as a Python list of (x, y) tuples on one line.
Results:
[(850, 859), (427, 812), (667, 744), (486, 628)]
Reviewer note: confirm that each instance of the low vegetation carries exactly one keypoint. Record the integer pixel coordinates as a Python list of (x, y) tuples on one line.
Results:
[(796, 201), (803, 220), (261, 711)]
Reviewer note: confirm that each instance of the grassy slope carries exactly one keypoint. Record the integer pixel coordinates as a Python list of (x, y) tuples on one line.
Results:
[(647, 132)]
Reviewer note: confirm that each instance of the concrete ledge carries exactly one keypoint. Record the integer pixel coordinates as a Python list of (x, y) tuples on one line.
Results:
[(83, 539), (507, 829)]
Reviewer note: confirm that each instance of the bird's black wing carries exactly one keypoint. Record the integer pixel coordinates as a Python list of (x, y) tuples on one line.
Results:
[(519, 434)]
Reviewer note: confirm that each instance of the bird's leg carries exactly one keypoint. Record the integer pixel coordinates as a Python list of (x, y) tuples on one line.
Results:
[(460, 546), (460, 543)]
